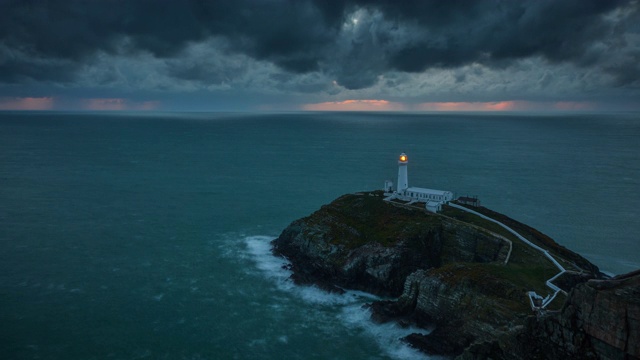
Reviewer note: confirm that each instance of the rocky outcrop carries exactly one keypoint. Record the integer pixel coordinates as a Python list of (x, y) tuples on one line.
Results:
[(450, 274), (364, 243)]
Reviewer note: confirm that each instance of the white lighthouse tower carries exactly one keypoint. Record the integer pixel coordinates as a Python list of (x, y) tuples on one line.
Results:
[(403, 178)]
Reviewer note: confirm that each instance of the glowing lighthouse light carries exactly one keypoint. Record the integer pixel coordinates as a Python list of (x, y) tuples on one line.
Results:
[(403, 178)]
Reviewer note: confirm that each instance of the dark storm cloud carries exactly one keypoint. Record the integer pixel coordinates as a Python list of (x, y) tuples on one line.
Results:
[(42, 40), (289, 34), (458, 32), (292, 34), (76, 28)]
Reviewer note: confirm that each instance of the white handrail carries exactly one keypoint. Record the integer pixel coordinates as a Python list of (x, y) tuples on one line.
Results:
[(545, 252)]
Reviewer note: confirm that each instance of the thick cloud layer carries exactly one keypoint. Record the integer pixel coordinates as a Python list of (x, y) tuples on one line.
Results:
[(354, 42)]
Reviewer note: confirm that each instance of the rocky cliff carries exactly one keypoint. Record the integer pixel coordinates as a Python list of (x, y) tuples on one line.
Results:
[(464, 277)]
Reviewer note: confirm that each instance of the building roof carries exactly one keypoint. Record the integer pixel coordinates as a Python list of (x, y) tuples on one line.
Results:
[(428, 191)]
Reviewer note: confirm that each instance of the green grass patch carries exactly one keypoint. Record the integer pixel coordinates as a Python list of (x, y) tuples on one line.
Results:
[(356, 220)]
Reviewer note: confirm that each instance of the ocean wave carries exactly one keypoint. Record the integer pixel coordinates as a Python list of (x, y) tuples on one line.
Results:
[(349, 306), (388, 335)]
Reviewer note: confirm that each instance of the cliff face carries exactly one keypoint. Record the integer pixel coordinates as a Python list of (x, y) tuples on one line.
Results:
[(466, 303), (452, 275)]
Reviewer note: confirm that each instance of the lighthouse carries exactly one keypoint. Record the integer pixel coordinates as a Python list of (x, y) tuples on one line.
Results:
[(433, 199), (403, 178)]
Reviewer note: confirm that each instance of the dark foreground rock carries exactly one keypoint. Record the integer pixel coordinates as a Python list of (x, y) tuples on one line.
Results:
[(600, 320), (451, 274)]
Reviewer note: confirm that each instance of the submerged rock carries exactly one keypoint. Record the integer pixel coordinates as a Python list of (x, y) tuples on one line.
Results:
[(463, 276)]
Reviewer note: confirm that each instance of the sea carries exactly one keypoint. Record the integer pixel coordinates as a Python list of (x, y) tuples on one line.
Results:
[(147, 235)]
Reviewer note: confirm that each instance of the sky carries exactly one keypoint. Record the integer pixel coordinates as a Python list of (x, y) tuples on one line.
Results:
[(320, 55)]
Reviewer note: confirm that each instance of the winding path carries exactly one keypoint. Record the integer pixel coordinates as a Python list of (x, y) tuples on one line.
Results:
[(546, 301)]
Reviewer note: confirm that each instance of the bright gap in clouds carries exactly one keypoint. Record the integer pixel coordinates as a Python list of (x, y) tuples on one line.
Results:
[(355, 105), (26, 103), (93, 104), (384, 105), (505, 106)]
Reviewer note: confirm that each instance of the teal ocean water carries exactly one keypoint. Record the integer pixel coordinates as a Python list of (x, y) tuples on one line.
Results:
[(128, 236)]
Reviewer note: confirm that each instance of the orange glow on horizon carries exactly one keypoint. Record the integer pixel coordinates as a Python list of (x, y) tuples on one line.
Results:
[(471, 106), (512, 105), (355, 105), (26, 103)]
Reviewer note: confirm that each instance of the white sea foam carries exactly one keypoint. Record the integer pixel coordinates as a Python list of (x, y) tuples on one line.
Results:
[(275, 268), (349, 305), (388, 336)]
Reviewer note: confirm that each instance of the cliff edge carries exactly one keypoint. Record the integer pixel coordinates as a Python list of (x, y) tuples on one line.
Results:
[(464, 276)]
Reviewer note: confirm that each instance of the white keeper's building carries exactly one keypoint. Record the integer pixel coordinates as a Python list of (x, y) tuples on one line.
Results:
[(433, 199)]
